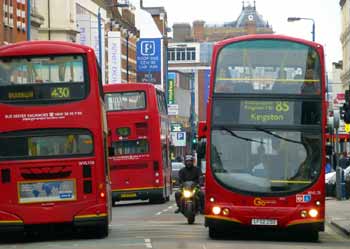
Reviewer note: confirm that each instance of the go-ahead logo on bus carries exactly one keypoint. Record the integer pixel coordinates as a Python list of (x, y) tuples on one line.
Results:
[(303, 198), (261, 203)]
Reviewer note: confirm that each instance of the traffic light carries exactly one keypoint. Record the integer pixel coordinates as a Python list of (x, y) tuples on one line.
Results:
[(346, 111), (194, 141)]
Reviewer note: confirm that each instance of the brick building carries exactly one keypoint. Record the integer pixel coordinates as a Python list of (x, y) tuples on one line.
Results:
[(13, 24), (125, 35)]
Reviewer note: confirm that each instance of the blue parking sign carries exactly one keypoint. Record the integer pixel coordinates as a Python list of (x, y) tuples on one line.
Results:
[(148, 55), (180, 136)]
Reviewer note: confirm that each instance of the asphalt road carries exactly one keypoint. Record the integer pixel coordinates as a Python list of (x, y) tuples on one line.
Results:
[(141, 225)]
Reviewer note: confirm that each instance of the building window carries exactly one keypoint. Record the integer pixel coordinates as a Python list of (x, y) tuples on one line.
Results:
[(186, 54), (171, 54)]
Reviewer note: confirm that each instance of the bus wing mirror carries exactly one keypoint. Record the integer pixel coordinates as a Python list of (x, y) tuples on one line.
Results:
[(111, 151), (202, 129)]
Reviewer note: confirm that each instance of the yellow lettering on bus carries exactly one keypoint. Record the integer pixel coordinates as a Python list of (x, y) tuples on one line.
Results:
[(20, 95), (60, 92), (282, 106)]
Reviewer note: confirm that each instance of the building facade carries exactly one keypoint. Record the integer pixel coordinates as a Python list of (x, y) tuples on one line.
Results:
[(122, 38), (13, 21), (345, 41), (36, 20)]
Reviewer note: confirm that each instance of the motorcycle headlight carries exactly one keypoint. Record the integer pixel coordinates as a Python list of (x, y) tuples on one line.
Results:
[(187, 194)]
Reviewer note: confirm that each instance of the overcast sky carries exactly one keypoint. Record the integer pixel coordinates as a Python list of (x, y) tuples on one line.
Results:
[(326, 14)]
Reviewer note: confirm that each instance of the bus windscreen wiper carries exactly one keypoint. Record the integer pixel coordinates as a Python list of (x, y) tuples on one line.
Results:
[(243, 138), (277, 136)]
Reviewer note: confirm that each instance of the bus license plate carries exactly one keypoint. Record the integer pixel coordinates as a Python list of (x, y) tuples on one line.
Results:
[(264, 222), (128, 195)]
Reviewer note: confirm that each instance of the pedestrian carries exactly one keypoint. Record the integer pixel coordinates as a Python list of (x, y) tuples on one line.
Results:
[(343, 160), (328, 166)]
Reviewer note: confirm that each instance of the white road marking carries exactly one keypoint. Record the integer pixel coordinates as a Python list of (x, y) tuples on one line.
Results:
[(148, 243), (159, 213)]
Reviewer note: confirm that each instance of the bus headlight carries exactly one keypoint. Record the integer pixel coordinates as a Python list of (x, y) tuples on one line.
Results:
[(187, 194), (226, 211), (313, 213), (216, 210), (303, 213)]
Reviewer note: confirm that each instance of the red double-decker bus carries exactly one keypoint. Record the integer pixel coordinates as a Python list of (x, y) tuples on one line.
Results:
[(266, 114), (53, 137), (138, 128)]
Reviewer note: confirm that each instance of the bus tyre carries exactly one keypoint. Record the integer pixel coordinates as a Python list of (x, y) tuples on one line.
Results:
[(102, 230)]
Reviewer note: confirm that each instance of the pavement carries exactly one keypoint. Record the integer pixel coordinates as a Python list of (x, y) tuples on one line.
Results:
[(338, 214)]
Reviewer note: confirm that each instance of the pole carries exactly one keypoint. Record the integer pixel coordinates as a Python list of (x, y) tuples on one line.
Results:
[(99, 37), (313, 30), (29, 25), (192, 110), (48, 20), (127, 56)]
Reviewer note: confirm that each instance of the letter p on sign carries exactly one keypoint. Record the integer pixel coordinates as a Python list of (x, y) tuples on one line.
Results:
[(148, 48)]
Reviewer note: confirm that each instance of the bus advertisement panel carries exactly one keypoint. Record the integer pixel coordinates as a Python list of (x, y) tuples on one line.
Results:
[(266, 113), (138, 142), (53, 137)]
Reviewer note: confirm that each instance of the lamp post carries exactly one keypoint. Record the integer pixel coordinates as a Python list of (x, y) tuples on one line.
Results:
[(29, 7), (293, 19), (99, 37)]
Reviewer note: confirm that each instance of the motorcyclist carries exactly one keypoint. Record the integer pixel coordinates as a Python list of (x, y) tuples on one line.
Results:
[(189, 173)]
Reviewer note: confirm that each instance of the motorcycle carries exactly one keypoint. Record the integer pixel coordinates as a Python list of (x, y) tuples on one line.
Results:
[(189, 201)]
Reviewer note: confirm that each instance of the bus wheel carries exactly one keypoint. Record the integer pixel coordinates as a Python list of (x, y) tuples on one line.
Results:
[(102, 230)]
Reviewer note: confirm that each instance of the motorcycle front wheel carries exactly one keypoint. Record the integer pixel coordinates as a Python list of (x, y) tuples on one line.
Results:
[(190, 219)]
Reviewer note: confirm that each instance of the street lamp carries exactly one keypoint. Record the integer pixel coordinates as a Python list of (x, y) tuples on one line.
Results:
[(293, 19)]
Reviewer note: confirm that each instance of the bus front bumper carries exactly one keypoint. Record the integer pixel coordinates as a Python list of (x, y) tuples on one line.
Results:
[(137, 194), (224, 223), (11, 226), (90, 220)]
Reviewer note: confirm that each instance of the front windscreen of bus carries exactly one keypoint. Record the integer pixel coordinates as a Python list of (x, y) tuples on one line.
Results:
[(45, 144), (42, 79), (265, 161), (124, 101), (291, 68), (130, 147)]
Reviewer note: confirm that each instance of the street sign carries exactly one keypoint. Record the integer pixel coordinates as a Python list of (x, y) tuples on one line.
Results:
[(148, 60), (178, 139), (176, 127), (171, 88), (173, 109)]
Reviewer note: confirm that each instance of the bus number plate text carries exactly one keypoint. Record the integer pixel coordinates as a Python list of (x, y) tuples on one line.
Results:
[(264, 222)]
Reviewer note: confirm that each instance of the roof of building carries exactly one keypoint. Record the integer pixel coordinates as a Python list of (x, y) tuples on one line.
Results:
[(155, 11), (249, 14)]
